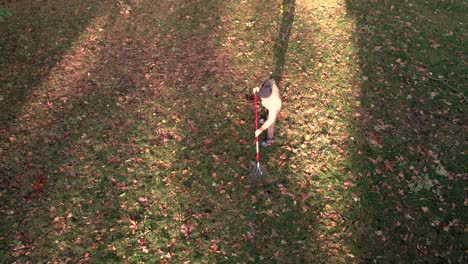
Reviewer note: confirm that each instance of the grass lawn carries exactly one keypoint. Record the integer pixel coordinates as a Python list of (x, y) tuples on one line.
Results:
[(127, 131)]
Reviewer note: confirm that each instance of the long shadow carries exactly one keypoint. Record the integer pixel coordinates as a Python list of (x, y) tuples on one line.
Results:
[(35, 36), (83, 149), (35, 39), (114, 155), (96, 163), (410, 164), (282, 40)]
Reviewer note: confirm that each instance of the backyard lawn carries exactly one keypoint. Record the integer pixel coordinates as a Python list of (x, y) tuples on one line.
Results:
[(127, 131)]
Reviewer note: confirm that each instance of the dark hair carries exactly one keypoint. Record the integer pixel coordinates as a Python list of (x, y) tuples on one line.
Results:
[(266, 89)]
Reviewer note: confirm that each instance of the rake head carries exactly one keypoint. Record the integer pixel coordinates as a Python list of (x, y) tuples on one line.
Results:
[(258, 172)]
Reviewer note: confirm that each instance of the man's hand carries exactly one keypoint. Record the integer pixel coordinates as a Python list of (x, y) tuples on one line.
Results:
[(258, 132), (255, 90)]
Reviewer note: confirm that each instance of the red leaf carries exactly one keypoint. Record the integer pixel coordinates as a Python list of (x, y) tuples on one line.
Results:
[(214, 245), (191, 127), (388, 165), (243, 141), (207, 141), (37, 187), (186, 229), (143, 201)]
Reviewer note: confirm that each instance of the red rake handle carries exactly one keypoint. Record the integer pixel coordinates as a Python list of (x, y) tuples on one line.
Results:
[(256, 125)]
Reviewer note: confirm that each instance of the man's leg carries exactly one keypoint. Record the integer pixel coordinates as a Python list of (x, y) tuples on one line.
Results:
[(271, 131), (270, 134)]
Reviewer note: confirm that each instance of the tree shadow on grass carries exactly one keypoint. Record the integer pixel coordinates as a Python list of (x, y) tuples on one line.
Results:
[(282, 41), (124, 164), (410, 165), (34, 39)]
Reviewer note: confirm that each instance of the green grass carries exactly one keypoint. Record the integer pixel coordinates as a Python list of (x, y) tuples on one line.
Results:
[(127, 132), (413, 84)]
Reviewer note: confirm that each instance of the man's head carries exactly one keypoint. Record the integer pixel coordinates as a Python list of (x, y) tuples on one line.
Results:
[(266, 89)]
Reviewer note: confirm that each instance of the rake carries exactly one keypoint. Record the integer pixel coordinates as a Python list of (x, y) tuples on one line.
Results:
[(258, 171)]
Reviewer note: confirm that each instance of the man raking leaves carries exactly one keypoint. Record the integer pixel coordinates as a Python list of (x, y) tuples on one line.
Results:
[(271, 100)]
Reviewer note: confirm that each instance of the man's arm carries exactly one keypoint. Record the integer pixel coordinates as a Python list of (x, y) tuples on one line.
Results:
[(271, 119)]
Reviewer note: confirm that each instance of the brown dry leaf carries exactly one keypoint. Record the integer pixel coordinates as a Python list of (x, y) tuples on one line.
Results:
[(186, 229), (380, 234), (133, 226), (388, 165), (143, 201), (207, 141)]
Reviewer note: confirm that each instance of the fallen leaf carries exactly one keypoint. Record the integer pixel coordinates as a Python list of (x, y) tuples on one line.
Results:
[(143, 201), (37, 187), (186, 229), (133, 226), (388, 165)]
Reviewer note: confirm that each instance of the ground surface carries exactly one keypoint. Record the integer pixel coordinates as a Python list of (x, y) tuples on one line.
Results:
[(127, 131)]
